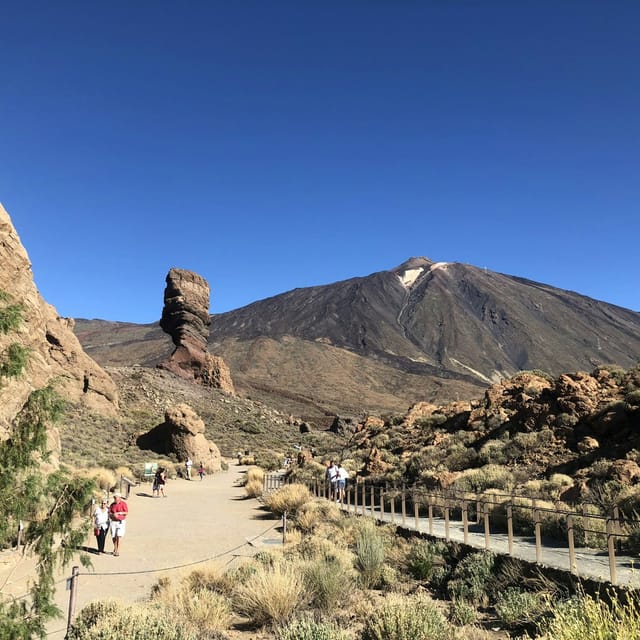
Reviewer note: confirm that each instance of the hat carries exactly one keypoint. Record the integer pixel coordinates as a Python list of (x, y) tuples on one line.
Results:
[(117, 495)]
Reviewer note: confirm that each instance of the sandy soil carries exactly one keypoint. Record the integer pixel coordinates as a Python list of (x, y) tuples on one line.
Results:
[(199, 520)]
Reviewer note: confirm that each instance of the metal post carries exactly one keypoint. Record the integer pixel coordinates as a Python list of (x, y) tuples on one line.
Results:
[(612, 550), (284, 527), (573, 567), (73, 588)]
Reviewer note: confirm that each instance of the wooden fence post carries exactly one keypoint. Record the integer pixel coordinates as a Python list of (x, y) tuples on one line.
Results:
[(446, 519), (373, 501), (73, 592), (612, 550), (416, 512), (510, 526), (430, 515), (485, 510), (393, 508), (364, 498), (404, 507), (573, 567), (538, 531), (465, 522)]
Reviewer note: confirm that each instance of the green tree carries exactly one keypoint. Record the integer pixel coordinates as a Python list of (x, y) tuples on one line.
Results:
[(48, 503)]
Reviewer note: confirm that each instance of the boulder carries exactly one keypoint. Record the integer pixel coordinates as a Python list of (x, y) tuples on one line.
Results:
[(182, 434)]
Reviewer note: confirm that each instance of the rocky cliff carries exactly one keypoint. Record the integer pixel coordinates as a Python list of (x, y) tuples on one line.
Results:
[(54, 355)]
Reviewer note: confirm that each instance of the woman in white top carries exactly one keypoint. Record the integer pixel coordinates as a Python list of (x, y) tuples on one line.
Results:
[(101, 524)]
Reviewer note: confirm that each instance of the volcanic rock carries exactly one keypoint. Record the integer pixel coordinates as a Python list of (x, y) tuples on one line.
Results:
[(185, 317), (182, 434), (54, 354)]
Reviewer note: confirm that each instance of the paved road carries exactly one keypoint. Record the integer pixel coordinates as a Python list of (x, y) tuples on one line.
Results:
[(199, 520)]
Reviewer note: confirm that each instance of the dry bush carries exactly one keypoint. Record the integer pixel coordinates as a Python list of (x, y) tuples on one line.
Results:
[(293, 537), (271, 594), (253, 474), (254, 488), (196, 610), (112, 620), (288, 498), (124, 471), (104, 478), (491, 476), (316, 513), (210, 578), (247, 460)]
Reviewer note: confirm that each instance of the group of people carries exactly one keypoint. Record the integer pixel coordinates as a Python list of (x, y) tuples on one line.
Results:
[(110, 519), (337, 477), (188, 465)]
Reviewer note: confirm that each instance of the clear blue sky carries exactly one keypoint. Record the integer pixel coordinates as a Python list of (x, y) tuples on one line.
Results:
[(269, 145)]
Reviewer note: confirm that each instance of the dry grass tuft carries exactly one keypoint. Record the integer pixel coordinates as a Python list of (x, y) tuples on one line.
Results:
[(254, 474), (254, 489), (288, 499)]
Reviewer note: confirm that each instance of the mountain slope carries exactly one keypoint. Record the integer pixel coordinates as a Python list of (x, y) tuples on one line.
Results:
[(422, 331)]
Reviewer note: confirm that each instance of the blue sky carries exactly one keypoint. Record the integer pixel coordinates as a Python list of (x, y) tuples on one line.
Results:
[(269, 145)]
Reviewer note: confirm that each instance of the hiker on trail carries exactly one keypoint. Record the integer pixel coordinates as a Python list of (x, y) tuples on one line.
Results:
[(118, 512), (332, 477), (187, 465), (158, 482), (101, 523), (201, 471), (343, 475)]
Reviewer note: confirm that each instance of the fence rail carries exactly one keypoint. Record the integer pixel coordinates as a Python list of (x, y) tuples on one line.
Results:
[(577, 540)]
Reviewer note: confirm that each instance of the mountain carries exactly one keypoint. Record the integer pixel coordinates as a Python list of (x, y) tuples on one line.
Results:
[(424, 331)]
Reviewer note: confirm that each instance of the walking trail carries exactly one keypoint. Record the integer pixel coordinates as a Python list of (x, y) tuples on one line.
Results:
[(165, 537)]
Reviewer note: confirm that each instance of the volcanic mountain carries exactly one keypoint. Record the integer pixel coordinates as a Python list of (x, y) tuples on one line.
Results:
[(433, 331)]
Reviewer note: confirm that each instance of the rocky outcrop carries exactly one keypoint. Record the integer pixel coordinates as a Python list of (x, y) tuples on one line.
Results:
[(185, 317), (54, 354), (182, 434)]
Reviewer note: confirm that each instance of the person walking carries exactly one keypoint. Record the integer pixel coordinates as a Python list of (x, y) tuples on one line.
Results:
[(201, 471), (101, 523), (118, 512), (343, 475), (332, 477), (159, 481)]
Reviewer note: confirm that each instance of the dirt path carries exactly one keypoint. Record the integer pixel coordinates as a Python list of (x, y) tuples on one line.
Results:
[(198, 520)]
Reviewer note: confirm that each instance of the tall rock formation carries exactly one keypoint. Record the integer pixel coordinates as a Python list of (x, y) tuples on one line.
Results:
[(185, 317), (54, 354)]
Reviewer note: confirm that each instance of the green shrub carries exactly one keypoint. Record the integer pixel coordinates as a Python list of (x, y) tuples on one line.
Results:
[(423, 557), (14, 360), (406, 618), (369, 556), (327, 581), (10, 318), (471, 578), (516, 608), (307, 629), (462, 613)]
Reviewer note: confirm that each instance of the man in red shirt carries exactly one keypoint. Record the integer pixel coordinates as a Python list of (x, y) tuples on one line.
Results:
[(117, 514)]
